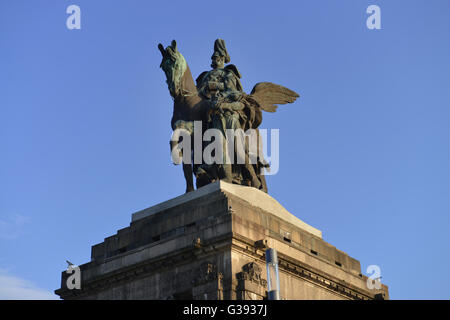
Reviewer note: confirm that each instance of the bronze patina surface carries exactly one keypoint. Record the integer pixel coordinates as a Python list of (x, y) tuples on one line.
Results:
[(217, 101)]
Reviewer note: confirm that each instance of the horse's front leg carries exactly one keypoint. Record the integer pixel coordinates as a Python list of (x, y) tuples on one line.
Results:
[(188, 176), (177, 155)]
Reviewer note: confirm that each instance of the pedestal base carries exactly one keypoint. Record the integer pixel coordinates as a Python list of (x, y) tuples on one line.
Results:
[(210, 244)]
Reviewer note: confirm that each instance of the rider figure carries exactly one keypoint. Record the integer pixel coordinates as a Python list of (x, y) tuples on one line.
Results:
[(222, 88)]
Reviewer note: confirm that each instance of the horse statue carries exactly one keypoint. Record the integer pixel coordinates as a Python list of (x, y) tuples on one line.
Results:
[(189, 106)]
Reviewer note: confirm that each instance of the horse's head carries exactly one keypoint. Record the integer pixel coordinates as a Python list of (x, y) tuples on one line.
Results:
[(174, 65)]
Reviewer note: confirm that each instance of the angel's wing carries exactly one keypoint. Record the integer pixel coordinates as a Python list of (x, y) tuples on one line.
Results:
[(268, 95)]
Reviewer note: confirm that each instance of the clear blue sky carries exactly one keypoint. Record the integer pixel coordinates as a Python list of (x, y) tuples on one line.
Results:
[(364, 153)]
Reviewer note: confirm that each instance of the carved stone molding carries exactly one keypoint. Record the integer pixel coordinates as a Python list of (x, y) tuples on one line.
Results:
[(206, 273), (252, 272)]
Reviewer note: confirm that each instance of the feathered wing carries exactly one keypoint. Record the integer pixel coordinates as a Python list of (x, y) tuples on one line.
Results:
[(268, 95)]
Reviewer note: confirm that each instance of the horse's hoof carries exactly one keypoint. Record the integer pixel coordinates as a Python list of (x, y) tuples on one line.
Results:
[(189, 190)]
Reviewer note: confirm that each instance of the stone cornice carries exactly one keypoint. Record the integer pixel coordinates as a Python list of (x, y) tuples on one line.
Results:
[(139, 270), (301, 270)]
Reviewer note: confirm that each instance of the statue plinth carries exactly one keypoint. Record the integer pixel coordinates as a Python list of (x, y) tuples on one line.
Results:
[(210, 244)]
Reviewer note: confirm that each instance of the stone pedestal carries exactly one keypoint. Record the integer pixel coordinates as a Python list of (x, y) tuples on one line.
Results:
[(210, 244)]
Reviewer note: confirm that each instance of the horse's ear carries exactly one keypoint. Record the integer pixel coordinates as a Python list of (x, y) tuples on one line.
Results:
[(161, 48), (174, 45)]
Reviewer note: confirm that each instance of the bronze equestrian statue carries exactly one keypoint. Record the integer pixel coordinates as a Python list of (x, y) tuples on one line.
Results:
[(217, 101)]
